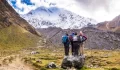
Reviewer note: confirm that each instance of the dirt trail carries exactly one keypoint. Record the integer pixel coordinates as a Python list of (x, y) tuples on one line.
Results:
[(17, 64)]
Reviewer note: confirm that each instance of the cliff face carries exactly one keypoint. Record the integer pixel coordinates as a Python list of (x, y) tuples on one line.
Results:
[(8, 16)]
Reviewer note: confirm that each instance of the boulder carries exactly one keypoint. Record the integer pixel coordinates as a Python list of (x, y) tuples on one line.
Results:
[(51, 65), (39, 61), (66, 63), (78, 62), (73, 61)]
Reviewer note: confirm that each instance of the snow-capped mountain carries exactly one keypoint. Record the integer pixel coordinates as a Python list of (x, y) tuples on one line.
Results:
[(44, 17)]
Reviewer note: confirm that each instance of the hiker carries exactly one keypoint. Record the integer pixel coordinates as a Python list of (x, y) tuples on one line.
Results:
[(66, 42), (71, 42), (76, 44), (83, 38)]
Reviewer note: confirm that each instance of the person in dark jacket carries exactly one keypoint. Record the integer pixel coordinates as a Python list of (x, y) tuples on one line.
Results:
[(71, 42), (66, 42), (76, 44)]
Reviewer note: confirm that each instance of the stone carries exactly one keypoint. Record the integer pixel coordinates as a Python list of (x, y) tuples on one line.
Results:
[(39, 61), (51, 65), (79, 62), (34, 52), (73, 61), (66, 63)]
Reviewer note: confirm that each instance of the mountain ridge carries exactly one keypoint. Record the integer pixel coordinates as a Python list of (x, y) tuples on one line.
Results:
[(8, 15), (97, 39), (113, 25), (44, 17)]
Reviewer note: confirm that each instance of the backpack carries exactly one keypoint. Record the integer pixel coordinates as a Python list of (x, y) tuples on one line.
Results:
[(78, 39), (75, 38), (70, 38), (82, 39), (64, 39)]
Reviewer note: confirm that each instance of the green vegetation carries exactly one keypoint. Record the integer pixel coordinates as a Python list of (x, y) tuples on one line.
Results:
[(95, 59), (15, 38)]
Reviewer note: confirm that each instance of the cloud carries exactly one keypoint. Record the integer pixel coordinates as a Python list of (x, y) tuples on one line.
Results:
[(20, 6), (24, 6), (100, 10), (92, 5)]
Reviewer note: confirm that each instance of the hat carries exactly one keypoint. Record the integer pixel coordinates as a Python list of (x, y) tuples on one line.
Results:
[(73, 33)]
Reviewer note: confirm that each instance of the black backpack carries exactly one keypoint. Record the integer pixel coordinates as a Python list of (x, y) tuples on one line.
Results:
[(81, 39)]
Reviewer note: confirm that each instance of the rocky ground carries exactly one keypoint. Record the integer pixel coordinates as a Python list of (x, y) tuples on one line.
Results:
[(16, 64)]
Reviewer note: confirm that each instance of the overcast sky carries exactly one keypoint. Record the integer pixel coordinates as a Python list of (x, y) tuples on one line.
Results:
[(100, 10)]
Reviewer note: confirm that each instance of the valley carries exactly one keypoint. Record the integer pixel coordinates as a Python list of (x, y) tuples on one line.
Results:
[(33, 40)]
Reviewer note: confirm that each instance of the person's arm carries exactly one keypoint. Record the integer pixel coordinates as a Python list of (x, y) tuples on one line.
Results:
[(84, 38)]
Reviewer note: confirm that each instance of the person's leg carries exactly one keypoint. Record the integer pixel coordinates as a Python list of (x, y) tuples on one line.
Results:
[(75, 49), (66, 47), (78, 47), (81, 49), (72, 48)]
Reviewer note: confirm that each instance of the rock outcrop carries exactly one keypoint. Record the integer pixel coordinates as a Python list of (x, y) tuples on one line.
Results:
[(71, 61)]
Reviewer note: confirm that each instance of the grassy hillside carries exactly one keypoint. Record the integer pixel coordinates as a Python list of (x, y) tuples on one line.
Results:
[(15, 38)]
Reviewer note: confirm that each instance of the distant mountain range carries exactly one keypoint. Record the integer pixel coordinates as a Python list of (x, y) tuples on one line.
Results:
[(43, 17)]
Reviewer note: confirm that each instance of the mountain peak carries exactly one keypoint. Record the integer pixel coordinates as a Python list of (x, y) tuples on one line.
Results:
[(44, 17)]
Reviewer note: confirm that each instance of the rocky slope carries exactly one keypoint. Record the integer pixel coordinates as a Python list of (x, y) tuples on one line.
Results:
[(44, 17), (113, 25), (97, 39)]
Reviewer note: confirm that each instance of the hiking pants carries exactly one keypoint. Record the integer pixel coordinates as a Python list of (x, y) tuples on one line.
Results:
[(66, 48), (81, 48), (72, 49), (76, 47)]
